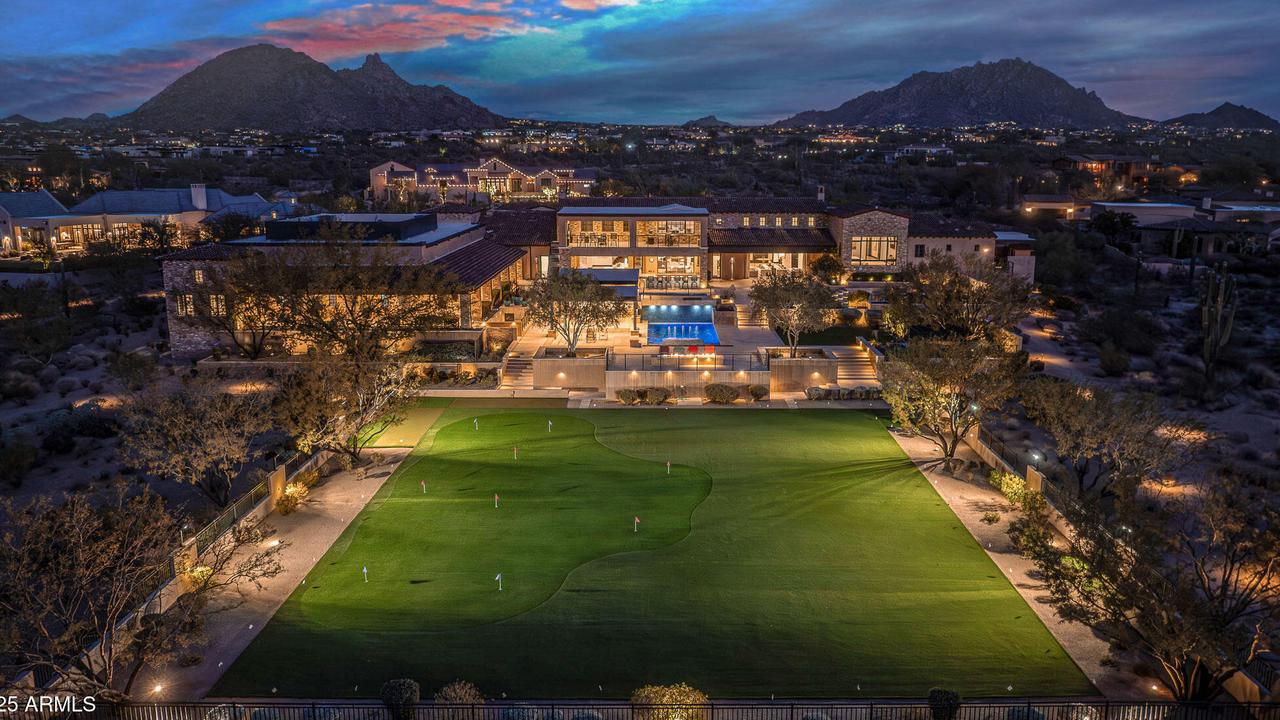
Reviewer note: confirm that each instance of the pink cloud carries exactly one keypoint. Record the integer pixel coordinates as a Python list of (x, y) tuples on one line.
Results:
[(347, 32), (595, 5)]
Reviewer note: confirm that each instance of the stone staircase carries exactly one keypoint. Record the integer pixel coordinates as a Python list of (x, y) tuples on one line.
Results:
[(745, 318), (517, 371), (854, 368)]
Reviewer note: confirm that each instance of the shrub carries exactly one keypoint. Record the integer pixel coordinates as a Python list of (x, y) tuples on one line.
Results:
[(1113, 360), (344, 461), (720, 393), (1009, 485), (627, 396), (943, 704), (17, 457), (400, 696), (1133, 332), (58, 442), (307, 478), (1036, 366), (134, 371), (668, 702), (758, 392), (48, 375), (295, 493), (459, 692), (991, 518), (18, 386), (65, 386), (816, 393), (656, 395)]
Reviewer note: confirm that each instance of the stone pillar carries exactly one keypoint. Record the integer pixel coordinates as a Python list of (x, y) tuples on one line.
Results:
[(1035, 480), (275, 487)]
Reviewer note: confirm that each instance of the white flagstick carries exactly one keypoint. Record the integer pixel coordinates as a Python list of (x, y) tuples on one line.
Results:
[(495, 501), (475, 421), (636, 527), (548, 426), (423, 483), (499, 579), (668, 467), (515, 452), (364, 570)]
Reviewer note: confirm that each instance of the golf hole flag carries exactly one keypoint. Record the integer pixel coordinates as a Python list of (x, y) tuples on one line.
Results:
[(636, 526), (498, 577)]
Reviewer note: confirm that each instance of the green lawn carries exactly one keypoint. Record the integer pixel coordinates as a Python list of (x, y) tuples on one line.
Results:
[(795, 553)]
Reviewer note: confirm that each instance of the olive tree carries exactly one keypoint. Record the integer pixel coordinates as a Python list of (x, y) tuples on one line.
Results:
[(573, 303)]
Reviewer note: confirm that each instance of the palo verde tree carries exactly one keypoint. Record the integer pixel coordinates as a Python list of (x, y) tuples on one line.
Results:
[(351, 296), (33, 322), (72, 571), (572, 304), (1108, 441), (792, 302), (197, 434), (341, 405), (968, 300), (1193, 584), (941, 390), (241, 299), (827, 268)]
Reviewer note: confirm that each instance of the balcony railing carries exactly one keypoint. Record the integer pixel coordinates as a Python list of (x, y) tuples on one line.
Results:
[(600, 240), (672, 282), (668, 240), (728, 361)]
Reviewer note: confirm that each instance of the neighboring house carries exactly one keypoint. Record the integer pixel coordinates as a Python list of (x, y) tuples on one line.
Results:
[(493, 178), (22, 220), (458, 249), (1062, 206), (1121, 170), (122, 213)]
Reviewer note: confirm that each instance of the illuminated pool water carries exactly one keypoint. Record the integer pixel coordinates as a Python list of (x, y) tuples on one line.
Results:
[(683, 334)]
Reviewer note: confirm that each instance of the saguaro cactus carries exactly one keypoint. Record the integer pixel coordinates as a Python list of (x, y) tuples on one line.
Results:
[(1217, 313)]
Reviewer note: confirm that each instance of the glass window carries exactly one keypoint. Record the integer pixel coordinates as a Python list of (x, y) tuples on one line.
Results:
[(795, 221), (198, 276), (186, 305), (812, 221), (948, 247), (873, 250), (217, 305), (975, 248), (919, 251), (777, 221)]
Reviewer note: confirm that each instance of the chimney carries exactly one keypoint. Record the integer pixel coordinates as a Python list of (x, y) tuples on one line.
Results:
[(822, 193), (199, 196)]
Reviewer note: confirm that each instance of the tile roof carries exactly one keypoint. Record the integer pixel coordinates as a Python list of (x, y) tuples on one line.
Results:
[(31, 204), (521, 227), (208, 251), (156, 201), (935, 225), (783, 239), (712, 204), (480, 261)]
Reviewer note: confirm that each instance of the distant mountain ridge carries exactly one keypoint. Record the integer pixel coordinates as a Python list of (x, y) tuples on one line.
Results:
[(1227, 115), (1012, 90), (708, 121), (282, 90)]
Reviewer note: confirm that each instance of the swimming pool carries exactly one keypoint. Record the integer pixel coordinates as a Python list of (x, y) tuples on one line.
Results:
[(683, 334)]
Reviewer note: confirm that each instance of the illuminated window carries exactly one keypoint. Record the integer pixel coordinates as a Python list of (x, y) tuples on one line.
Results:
[(198, 276), (777, 222), (186, 305), (217, 305), (763, 221), (795, 221), (746, 221), (812, 221)]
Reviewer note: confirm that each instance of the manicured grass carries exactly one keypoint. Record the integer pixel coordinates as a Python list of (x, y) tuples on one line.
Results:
[(795, 553), (831, 335)]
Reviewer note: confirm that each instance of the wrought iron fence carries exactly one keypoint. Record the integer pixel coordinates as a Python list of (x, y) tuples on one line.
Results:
[(774, 710), (206, 535), (1016, 460)]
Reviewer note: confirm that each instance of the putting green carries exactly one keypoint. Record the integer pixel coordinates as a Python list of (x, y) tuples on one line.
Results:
[(796, 553)]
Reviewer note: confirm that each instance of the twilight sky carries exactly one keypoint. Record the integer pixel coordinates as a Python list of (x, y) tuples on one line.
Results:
[(747, 61)]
